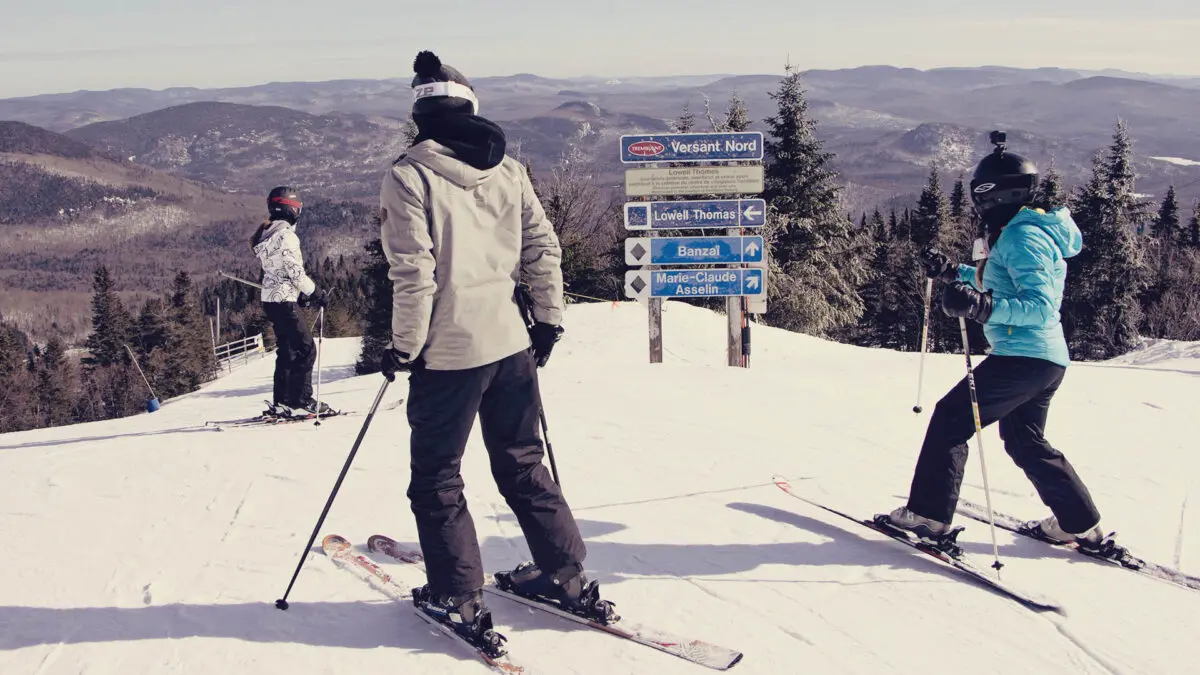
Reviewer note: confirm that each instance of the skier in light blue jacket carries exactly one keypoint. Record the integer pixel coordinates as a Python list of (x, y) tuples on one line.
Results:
[(1016, 293)]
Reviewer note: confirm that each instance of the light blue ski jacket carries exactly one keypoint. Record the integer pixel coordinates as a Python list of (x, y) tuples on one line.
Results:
[(1026, 271)]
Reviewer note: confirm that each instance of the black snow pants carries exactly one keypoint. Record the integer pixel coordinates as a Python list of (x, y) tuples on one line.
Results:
[(442, 407), (1016, 391), (295, 353)]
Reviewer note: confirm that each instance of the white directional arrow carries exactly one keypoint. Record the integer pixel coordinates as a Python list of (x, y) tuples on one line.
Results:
[(751, 212), (752, 282), (752, 248)]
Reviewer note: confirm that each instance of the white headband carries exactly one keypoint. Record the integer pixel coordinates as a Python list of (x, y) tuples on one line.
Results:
[(445, 89)]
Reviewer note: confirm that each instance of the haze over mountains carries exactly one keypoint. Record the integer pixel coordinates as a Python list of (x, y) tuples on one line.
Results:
[(181, 172), (886, 124)]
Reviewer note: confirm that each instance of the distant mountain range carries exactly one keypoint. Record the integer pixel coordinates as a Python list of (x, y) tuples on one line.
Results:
[(156, 177), (66, 207), (887, 125)]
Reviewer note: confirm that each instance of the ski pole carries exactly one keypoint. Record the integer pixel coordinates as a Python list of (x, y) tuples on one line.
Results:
[(282, 603), (320, 343), (545, 430), (987, 492), (153, 396), (549, 447), (924, 343), (248, 283)]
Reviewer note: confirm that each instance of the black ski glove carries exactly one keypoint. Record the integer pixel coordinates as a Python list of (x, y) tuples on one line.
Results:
[(395, 361), (318, 298), (938, 266), (960, 299), (543, 336)]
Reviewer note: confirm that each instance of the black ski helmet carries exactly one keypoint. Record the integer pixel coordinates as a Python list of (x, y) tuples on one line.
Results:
[(1003, 179), (283, 203)]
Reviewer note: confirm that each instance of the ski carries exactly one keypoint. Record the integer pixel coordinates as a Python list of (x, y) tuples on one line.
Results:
[(338, 548), (265, 420), (952, 557), (697, 651), (1128, 562), (270, 421)]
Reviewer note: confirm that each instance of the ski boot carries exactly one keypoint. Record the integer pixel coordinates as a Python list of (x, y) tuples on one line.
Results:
[(277, 411), (568, 590), (466, 615), (310, 407), (939, 535), (1092, 543)]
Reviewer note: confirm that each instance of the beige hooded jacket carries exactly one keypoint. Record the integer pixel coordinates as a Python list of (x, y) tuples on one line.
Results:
[(458, 240)]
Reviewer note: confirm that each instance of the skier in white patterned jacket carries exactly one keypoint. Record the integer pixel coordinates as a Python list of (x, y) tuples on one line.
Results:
[(285, 286)]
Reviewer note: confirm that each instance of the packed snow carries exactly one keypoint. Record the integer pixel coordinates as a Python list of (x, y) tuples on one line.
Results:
[(155, 544)]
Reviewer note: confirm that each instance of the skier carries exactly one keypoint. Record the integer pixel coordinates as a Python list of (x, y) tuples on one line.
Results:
[(286, 286), (1016, 293), (460, 226)]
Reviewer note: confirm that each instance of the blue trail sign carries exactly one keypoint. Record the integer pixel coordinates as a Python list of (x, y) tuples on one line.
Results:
[(693, 250), (713, 213), (641, 284)]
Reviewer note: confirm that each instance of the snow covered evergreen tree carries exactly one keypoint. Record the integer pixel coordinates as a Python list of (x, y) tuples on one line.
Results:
[(1050, 192), (818, 258), (1101, 306)]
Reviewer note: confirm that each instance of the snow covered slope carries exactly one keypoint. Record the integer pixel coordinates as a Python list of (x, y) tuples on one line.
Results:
[(155, 545)]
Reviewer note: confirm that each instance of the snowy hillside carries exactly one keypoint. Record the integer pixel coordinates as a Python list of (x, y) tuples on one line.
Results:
[(156, 545)]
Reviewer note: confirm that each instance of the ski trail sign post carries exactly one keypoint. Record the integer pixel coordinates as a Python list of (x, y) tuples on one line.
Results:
[(726, 164)]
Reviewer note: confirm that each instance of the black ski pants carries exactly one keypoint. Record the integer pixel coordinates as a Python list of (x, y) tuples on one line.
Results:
[(1015, 391), (295, 353), (442, 407)]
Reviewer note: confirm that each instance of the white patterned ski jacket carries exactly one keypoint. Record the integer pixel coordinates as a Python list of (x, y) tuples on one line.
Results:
[(284, 278)]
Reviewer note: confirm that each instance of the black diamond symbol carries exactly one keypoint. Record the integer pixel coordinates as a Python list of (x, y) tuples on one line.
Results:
[(637, 285), (638, 251)]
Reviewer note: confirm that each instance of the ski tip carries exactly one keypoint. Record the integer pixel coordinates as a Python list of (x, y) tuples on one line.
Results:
[(377, 541), (333, 543), (737, 658)]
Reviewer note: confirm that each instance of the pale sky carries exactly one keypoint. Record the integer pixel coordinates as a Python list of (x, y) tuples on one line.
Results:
[(67, 45)]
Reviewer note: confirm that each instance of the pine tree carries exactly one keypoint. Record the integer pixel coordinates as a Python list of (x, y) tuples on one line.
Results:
[(686, 120), (110, 323), (1050, 193), (377, 333), (1121, 180), (151, 328), (737, 117), (189, 359), (818, 258), (959, 205), (1166, 226), (1102, 308), (1165, 251), (871, 324), (1193, 231), (15, 385), (54, 376), (932, 214)]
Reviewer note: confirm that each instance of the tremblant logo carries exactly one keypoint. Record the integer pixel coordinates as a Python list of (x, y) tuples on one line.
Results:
[(985, 187), (647, 148)]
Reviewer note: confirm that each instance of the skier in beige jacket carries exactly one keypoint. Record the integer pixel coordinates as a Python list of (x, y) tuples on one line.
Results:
[(461, 227)]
